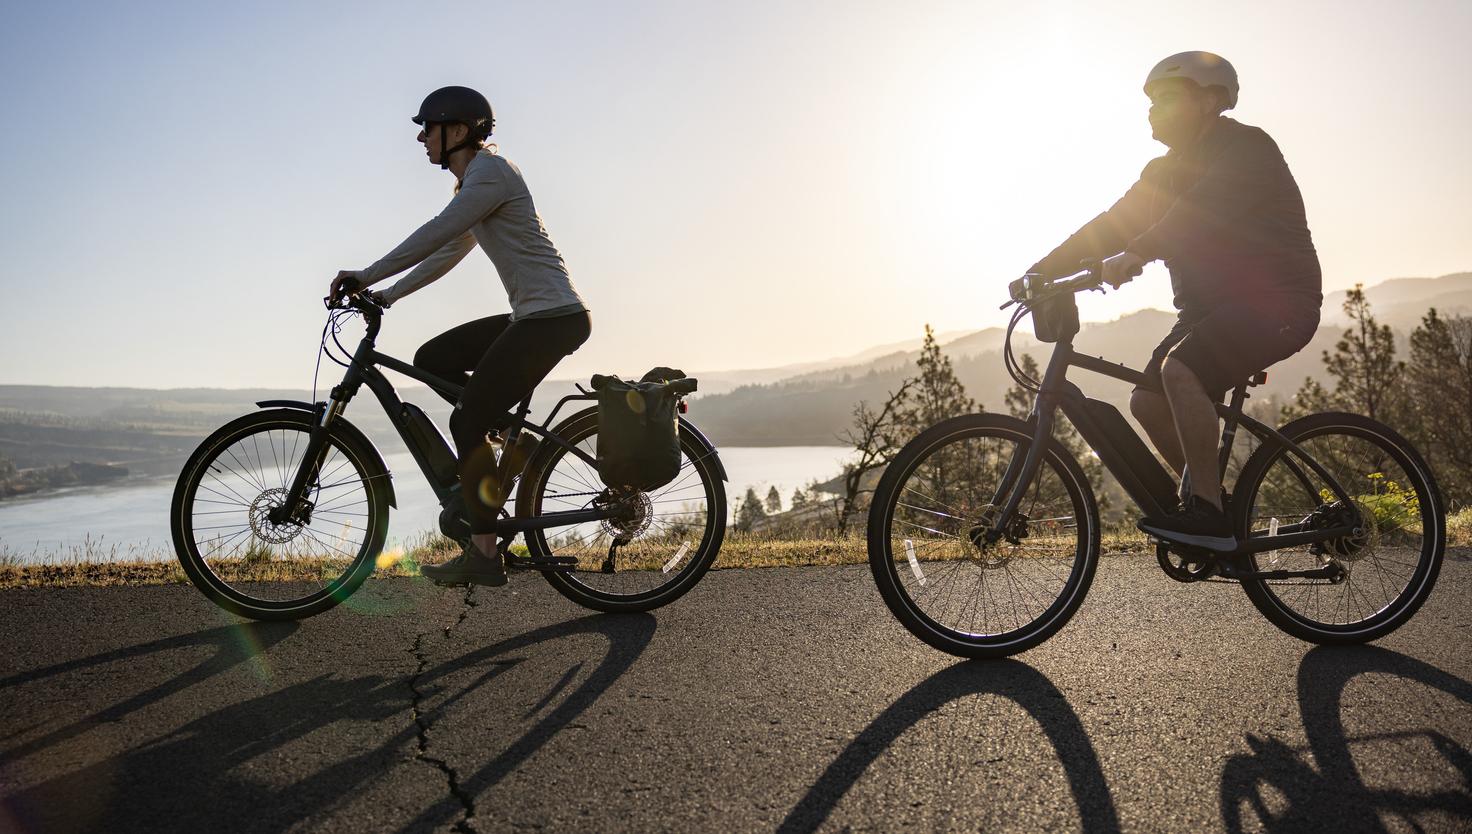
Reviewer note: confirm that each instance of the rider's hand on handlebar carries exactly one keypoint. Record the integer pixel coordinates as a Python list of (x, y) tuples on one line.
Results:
[(1119, 269), (347, 282)]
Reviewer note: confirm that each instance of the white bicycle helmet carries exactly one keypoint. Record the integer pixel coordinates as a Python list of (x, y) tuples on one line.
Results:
[(1204, 68)]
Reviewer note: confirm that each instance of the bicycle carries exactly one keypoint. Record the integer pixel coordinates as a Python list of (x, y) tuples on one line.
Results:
[(984, 534), (283, 513)]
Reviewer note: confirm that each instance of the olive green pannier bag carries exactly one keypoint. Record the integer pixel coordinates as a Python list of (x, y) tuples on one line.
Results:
[(638, 428)]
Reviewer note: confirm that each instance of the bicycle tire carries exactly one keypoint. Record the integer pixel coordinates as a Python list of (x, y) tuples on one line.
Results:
[(1008, 433), (651, 580), (1419, 525), (246, 585)]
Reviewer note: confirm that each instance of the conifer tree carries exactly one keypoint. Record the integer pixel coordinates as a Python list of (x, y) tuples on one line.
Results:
[(1368, 379), (774, 501)]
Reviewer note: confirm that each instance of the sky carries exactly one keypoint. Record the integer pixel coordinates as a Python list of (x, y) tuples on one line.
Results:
[(732, 185)]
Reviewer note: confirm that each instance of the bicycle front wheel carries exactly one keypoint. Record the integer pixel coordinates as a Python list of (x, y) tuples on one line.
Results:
[(250, 565), (927, 548), (670, 542), (1389, 567)]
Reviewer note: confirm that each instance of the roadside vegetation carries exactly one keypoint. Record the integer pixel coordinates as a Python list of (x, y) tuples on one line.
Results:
[(102, 567), (1429, 398)]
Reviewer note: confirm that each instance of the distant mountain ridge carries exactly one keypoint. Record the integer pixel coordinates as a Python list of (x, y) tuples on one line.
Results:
[(801, 404)]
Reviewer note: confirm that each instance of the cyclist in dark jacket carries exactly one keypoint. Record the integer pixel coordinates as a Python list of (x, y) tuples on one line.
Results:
[(1225, 215)]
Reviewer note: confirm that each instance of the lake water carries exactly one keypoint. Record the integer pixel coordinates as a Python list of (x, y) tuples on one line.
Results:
[(131, 520)]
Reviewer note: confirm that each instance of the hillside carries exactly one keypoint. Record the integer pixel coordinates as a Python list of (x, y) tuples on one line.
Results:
[(816, 407), (151, 431)]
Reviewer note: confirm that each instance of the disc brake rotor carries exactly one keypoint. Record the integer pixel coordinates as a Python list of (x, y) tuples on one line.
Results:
[(260, 518), (1363, 541), (990, 555), (635, 518)]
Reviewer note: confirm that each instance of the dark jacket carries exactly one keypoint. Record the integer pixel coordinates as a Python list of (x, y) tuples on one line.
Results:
[(1226, 217)]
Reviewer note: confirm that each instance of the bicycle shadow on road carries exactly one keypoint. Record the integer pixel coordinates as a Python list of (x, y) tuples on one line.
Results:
[(1273, 789), (233, 645), (216, 771), (628, 635), (1012, 679)]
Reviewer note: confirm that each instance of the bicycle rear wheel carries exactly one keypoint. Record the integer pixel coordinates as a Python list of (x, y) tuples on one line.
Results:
[(930, 510), (672, 540), (249, 564), (1390, 566)]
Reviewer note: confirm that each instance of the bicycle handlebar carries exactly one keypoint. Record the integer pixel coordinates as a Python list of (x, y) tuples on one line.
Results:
[(1032, 288)]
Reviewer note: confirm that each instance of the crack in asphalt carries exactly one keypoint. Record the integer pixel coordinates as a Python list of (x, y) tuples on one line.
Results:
[(421, 723)]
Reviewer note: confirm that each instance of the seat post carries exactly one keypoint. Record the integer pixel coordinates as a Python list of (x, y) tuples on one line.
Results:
[(1229, 430)]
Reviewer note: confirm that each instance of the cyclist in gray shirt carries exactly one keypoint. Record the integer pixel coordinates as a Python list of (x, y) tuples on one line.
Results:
[(498, 359), (1225, 215)]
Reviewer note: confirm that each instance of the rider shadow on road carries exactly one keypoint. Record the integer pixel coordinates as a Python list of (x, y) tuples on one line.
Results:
[(233, 645), (1028, 688), (217, 771), (628, 635), (1274, 789)]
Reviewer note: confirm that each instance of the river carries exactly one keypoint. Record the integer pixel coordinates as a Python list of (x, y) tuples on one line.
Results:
[(130, 519)]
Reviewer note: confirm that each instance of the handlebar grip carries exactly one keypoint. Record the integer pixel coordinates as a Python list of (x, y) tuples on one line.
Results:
[(350, 285)]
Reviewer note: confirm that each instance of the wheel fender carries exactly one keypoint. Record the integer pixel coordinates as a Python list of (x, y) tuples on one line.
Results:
[(340, 424), (705, 444)]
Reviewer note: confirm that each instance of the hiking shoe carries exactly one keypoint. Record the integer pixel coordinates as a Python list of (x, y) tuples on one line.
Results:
[(471, 567), (1196, 523)]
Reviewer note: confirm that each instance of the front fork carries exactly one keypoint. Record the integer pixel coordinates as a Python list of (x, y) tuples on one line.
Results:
[(1027, 458), (295, 508)]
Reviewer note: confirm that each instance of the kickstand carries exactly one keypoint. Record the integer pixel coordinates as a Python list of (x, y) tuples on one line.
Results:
[(607, 566)]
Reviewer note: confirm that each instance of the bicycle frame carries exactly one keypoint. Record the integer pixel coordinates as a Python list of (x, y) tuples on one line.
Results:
[(1125, 455), (430, 450)]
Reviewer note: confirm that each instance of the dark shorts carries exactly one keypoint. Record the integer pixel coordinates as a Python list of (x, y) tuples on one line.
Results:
[(1233, 342)]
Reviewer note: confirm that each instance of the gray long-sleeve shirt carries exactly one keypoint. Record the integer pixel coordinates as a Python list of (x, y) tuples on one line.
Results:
[(492, 207), (1226, 217)]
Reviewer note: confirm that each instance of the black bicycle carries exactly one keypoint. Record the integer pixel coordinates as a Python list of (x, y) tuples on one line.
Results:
[(283, 513), (984, 534)]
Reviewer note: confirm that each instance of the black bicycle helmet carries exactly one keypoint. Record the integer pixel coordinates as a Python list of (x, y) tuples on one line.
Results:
[(457, 105)]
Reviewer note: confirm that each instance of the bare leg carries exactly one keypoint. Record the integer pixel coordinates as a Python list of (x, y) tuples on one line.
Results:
[(1153, 412), (485, 543), (1196, 427)]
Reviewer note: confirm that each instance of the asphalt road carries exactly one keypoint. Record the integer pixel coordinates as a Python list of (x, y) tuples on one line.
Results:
[(766, 699)]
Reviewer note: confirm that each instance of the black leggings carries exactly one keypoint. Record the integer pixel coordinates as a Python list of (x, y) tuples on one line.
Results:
[(499, 362)]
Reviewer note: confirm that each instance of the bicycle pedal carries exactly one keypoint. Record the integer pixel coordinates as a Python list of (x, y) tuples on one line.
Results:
[(542, 563)]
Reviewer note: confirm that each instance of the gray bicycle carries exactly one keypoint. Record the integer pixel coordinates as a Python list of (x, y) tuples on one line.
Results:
[(984, 533), (282, 513)]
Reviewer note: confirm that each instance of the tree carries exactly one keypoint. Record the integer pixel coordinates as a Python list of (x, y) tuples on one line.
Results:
[(774, 501), (799, 498), (1368, 378), (1439, 386), (749, 512), (937, 393), (876, 438)]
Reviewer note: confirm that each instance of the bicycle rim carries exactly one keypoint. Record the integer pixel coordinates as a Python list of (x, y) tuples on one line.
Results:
[(253, 565), (956, 593), (1389, 567), (671, 542)]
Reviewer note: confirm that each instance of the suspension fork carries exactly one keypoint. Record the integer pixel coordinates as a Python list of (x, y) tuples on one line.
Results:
[(295, 506), (1027, 458)]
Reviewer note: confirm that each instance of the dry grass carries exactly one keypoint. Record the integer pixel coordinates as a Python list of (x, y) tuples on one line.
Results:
[(94, 565)]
